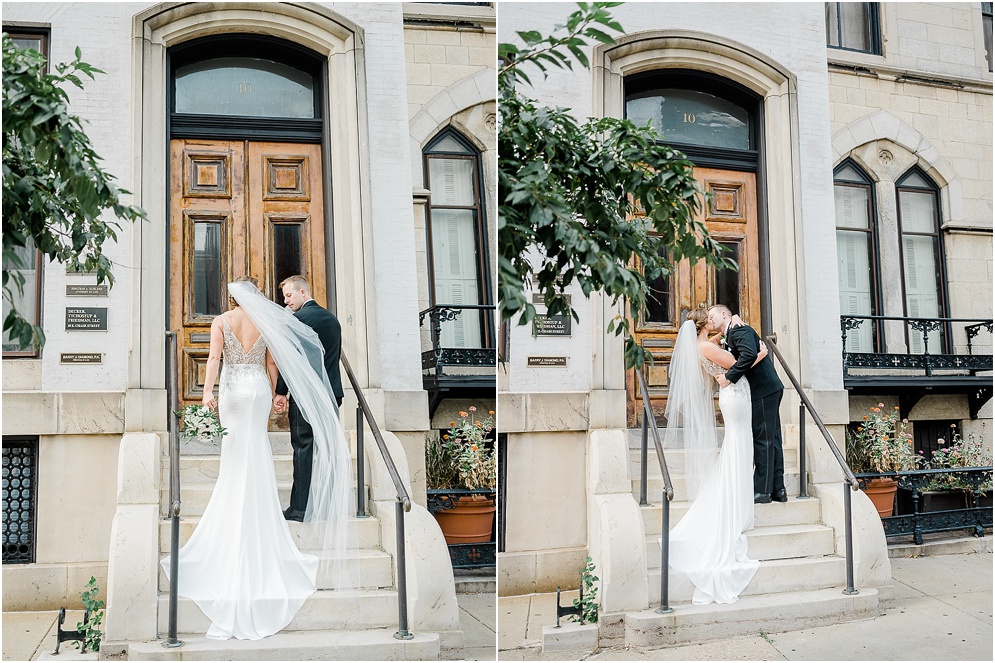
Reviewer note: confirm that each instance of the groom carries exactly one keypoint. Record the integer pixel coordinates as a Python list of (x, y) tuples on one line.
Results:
[(766, 391), (297, 296)]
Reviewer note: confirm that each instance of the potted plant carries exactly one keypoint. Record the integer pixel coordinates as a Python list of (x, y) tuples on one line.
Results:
[(881, 443), (954, 491), (464, 459)]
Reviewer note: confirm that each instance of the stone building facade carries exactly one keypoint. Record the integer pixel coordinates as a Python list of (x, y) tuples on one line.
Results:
[(905, 98), (381, 82)]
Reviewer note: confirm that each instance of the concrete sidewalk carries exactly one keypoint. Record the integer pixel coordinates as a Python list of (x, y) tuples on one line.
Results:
[(942, 611), (31, 635)]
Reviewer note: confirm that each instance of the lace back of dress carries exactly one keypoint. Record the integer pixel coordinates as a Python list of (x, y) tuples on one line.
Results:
[(233, 352), (711, 367)]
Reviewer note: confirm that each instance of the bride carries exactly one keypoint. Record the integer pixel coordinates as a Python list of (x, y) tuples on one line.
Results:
[(709, 543), (241, 566)]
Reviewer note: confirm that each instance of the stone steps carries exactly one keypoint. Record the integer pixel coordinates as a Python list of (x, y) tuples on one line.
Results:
[(195, 496), (325, 610), (770, 543), (364, 533), (654, 485), (793, 512), (777, 576), (368, 645), (770, 613), (676, 461), (375, 570)]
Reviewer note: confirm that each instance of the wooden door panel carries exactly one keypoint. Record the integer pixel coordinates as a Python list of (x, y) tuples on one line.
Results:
[(731, 218), (238, 208)]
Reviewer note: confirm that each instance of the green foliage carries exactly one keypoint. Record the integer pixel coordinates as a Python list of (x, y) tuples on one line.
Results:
[(602, 202), (462, 458), (959, 453), (589, 606), (54, 190), (881, 443), (96, 608)]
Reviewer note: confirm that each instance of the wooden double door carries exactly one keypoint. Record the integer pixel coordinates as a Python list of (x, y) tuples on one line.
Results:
[(237, 208), (730, 215)]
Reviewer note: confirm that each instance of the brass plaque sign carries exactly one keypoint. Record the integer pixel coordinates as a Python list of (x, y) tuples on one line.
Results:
[(551, 325), (86, 318), (539, 298), (548, 361), (83, 290), (81, 358)]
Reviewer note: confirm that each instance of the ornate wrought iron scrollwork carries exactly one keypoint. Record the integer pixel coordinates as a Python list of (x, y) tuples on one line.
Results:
[(973, 330), (848, 323), (438, 315)]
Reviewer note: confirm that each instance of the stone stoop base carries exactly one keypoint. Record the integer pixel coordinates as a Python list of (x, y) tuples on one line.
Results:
[(368, 645), (942, 545), (770, 613), (570, 637)]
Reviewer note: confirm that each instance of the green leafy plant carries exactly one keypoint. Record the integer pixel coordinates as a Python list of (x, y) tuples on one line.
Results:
[(589, 605), (881, 443), (92, 633), (601, 202), (462, 458), (54, 190), (960, 452)]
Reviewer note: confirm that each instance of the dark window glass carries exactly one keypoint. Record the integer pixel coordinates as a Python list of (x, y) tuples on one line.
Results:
[(287, 251), (986, 21), (853, 26), (25, 260), (248, 87), (922, 261), (855, 253), (207, 269), (691, 117), (658, 301), (20, 472), (927, 436), (727, 287)]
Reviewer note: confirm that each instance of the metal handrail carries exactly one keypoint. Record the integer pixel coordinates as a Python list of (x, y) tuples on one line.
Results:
[(402, 505), (172, 381), (851, 481), (649, 423)]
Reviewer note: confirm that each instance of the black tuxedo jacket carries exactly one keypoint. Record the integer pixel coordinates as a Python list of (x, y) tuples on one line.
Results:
[(744, 344), (330, 334)]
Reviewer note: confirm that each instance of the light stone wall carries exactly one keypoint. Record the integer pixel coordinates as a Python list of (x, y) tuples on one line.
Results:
[(76, 505)]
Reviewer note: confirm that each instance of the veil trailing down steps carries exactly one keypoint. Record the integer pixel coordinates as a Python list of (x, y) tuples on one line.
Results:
[(298, 354)]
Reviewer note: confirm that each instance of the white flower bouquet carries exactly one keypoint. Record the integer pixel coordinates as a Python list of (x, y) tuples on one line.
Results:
[(199, 422)]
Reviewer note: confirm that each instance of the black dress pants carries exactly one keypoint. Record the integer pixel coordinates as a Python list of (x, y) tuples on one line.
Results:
[(302, 441), (768, 455)]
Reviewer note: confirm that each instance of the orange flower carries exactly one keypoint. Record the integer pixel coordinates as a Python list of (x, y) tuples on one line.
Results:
[(490, 412), (453, 423), (462, 414), (473, 446), (445, 437)]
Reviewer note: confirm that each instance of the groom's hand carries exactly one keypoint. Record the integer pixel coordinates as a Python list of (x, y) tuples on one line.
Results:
[(279, 402), (721, 379)]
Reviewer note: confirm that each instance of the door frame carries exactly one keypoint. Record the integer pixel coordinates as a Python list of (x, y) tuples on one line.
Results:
[(340, 43)]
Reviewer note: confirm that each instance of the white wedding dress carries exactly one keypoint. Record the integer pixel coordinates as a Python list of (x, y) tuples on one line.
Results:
[(709, 543), (241, 565)]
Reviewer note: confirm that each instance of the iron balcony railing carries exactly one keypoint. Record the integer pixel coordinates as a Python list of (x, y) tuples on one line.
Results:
[(466, 555), (437, 357), (649, 424), (929, 345), (363, 415), (974, 511)]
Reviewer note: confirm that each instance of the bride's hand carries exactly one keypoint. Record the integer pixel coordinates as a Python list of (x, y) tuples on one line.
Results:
[(209, 402), (763, 351)]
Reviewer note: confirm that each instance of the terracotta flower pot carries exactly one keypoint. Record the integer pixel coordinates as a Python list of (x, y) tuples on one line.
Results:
[(469, 521), (882, 494)]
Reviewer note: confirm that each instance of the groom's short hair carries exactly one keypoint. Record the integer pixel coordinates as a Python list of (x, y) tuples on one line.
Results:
[(297, 281), (721, 307)]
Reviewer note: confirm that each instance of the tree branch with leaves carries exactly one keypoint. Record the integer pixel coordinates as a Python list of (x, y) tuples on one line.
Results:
[(55, 194), (601, 202)]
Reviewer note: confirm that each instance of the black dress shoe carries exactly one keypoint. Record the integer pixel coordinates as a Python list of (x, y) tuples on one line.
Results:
[(779, 495), (293, 515), (761, 498)]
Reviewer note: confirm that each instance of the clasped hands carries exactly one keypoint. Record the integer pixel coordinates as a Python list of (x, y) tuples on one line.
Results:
[(279, 403)]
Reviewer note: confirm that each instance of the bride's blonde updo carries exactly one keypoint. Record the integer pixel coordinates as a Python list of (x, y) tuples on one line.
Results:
[(699, 317), (248, 279)]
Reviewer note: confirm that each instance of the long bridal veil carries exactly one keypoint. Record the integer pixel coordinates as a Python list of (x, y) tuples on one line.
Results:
[(690, 411), (298, 354)]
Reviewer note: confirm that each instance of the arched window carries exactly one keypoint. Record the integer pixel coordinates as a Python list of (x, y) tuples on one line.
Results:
[(245, 86), (457, 237), (921, 255), (856, 253)]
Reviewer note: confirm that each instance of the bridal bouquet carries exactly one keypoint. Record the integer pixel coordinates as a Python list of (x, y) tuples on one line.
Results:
[(199, 422)]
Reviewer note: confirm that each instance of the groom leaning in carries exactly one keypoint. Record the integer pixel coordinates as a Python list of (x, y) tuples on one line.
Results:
[(766, 391), (297, 296)]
